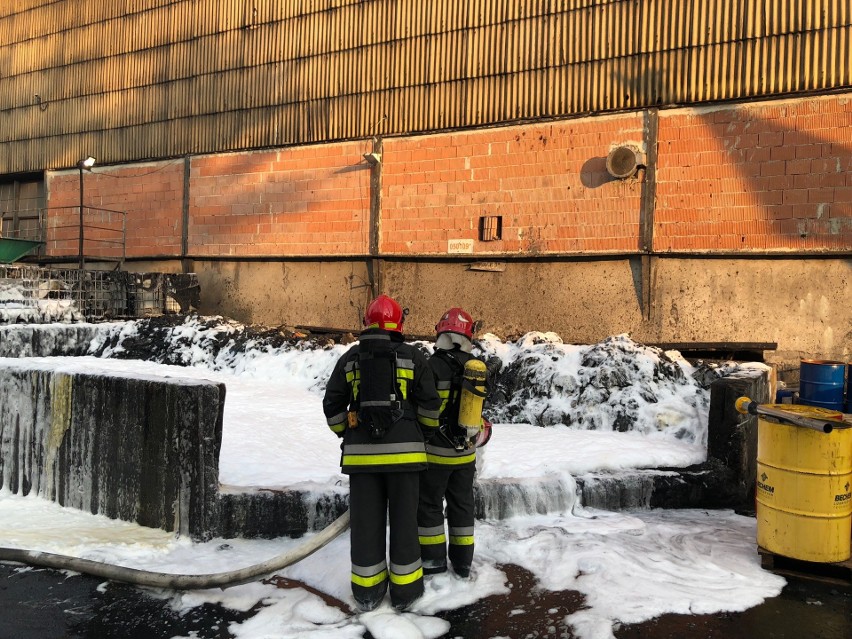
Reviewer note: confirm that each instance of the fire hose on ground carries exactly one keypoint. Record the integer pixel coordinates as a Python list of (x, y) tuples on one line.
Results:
[(170, 581)]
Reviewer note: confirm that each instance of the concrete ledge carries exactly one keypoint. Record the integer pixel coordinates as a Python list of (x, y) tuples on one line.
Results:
[(29, 340), (139, 449), (146, 450), (269, 513)]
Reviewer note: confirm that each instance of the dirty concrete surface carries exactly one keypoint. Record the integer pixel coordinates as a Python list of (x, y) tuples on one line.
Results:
[(48, 604)]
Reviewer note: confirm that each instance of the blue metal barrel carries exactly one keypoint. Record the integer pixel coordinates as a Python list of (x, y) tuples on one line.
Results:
[(848, 389), (821, 383)]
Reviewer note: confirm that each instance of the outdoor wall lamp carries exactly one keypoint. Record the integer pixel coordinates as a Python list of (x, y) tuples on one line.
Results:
[(86, 163), (373, 158)]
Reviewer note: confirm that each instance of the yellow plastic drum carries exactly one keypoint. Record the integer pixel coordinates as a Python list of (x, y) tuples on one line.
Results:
[(804, 487)]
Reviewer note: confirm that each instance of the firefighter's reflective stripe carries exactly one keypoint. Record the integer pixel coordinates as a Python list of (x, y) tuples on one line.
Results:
[(428, 418), (383, 454), (402, 575), (388, 326), (461, 535), (404, 375), (383, 460), (369, 576), (443, 387), (449, 456), (337, 423), (432, 535), (353, 377)]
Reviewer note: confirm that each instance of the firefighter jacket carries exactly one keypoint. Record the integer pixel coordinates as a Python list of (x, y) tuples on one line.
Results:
[(384, 432), (443, 450)]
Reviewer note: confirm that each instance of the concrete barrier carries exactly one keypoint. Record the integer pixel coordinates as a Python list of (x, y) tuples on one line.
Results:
[(140, 449), (732, 437), (31, 340)]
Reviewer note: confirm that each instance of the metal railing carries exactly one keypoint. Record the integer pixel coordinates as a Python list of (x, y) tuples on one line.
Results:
[(104, 233), (58, 229)]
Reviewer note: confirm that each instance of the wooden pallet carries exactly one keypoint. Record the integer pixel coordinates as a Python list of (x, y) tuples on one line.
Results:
[(834, 573)]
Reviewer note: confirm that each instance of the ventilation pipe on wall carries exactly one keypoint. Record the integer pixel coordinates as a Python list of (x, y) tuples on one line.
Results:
[(624, 161)]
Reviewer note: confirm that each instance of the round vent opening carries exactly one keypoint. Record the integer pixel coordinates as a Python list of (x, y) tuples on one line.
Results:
[(623, 162)]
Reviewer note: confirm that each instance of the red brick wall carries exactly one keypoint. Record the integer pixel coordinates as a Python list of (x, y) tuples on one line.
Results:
[(547, 181), (288, 202), (756, 177), (766, 176), (150, 194)]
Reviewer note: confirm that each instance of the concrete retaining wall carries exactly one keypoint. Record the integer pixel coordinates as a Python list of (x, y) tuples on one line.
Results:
[(144, 450), (799, 304)]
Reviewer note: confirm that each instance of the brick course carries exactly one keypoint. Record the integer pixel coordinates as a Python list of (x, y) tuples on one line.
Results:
[(547, 182), (288, 202), (768, 176), (771, 176), (150, 194)]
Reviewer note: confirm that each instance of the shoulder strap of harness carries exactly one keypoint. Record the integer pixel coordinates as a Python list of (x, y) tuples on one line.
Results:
[(449, 417)]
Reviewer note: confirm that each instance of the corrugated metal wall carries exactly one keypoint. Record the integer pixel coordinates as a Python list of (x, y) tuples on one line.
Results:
[(136, 79)]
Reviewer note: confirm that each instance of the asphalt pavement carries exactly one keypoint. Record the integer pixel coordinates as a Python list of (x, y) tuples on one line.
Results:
[(49, 604)]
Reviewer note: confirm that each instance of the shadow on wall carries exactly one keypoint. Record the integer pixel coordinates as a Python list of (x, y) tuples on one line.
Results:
[(797, 179), (594, 174)]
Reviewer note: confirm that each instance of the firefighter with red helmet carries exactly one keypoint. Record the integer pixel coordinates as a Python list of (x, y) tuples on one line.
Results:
[(381, 400), (451, 454)]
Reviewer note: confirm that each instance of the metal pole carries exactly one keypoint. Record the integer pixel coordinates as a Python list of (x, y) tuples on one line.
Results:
[(746, 406), (82, 261)]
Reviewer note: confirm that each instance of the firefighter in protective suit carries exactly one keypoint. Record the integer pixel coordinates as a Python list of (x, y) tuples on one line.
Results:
[(381, 400), (451, 455)]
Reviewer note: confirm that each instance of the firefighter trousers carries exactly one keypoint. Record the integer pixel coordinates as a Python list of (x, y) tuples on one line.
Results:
[(455, 484), (372, 498)]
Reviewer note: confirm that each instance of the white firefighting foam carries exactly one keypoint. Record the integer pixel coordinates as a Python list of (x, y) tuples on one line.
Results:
[(629, 566)]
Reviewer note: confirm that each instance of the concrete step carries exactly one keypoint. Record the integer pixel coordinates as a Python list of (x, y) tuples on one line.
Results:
[(269, 513)]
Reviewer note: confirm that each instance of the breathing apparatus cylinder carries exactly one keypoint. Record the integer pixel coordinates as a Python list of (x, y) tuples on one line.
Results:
[(472, 398)]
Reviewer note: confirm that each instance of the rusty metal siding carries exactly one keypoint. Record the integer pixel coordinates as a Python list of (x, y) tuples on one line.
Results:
[(138, 79)]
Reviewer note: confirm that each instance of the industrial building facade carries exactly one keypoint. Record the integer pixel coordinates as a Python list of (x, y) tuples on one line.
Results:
[(680, 170)]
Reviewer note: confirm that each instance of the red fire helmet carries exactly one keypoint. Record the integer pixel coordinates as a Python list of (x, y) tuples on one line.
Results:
[(455, 320), (384, 312)]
